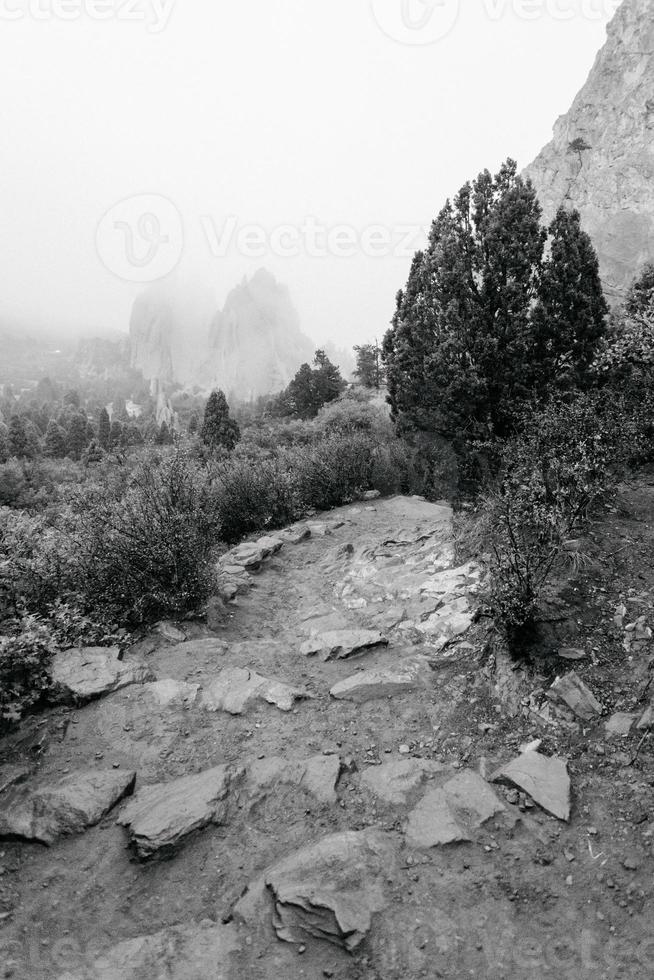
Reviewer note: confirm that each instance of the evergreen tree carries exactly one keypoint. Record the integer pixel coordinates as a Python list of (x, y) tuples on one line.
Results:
[(369, 369), (104, 429), (17, 441), (461, 350), (55, 444), (569, 319), (115, 434), (4, 443), (77, 437), (640, 299), (164, 436), (219, 429), (327, 381), (193, 424)]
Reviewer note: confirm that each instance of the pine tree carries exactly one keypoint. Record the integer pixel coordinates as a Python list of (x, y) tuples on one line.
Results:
[(55, 441), (219, 429), (77, 438), (17, 441), (461, 350), (327, 382), (369, 369), (193, 424), (569, 319), (104, 429)]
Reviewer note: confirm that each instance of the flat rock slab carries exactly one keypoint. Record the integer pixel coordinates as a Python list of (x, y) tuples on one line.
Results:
[(159, 818), (572, 691), (317, 776), (236, 688), (647, 721), (170, 694), (294, 535), (11, 775), (82, 675), (394, 781), (181, 953), (270, 545), (60, 809), (545, 780), (620, 724), (340, 644), (432, 823), (330, 890), (370, 685), (450, 814)]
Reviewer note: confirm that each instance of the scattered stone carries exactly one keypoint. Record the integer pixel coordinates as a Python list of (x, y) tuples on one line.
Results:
[(170, 694), (159, 818), (451, 619), (340, 644), (472, 799), (330, 890), (647, 721), (170, 632), (270, 545), (11, 775), (236, 687), (394, 781), (432, 823), (294, 535), (371, 495), (572, 691), (404, 749), (619, 724), (317, 775), (638, 636), (60, 809), (545, 780), (80, 675), (620, 613), (630, 863), (180, 953), (572, 653), (370, 685)]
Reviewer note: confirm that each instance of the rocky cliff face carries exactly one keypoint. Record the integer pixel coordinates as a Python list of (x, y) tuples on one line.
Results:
[(253, 347), (255, 343), (601, 159)]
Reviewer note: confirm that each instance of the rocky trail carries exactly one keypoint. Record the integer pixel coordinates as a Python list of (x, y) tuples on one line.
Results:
[(332, 778)]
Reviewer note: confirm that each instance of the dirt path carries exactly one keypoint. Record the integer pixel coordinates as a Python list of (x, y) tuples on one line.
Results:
[(417, 864)]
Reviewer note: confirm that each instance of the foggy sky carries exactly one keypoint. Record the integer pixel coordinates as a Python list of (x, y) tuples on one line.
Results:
[(263, 125)]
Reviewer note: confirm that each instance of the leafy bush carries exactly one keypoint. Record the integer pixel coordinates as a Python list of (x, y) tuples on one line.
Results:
[(255, 496), (334, 470), (146, 552), (569, 457), (24, 669)]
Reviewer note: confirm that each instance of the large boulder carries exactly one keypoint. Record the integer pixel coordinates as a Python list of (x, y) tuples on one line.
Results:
[(80, 675), (330, 890), (159, 818), (62, 808)]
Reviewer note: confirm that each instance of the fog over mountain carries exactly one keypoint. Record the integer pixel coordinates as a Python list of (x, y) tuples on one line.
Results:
[(253, 121)]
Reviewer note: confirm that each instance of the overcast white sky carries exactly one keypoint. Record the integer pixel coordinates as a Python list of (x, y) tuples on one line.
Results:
[(293, 116)]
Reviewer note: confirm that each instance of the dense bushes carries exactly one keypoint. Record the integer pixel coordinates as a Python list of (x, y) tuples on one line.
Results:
[(568, 457)]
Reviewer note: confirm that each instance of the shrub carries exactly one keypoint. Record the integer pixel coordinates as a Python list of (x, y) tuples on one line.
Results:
[(334, 470), (569, 457), (255, 496), (24, 669), (146, 552)]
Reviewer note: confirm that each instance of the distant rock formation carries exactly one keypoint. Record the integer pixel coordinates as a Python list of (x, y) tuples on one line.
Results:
[(168, 333), (256, 344), (253, 347), (601, 159)]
